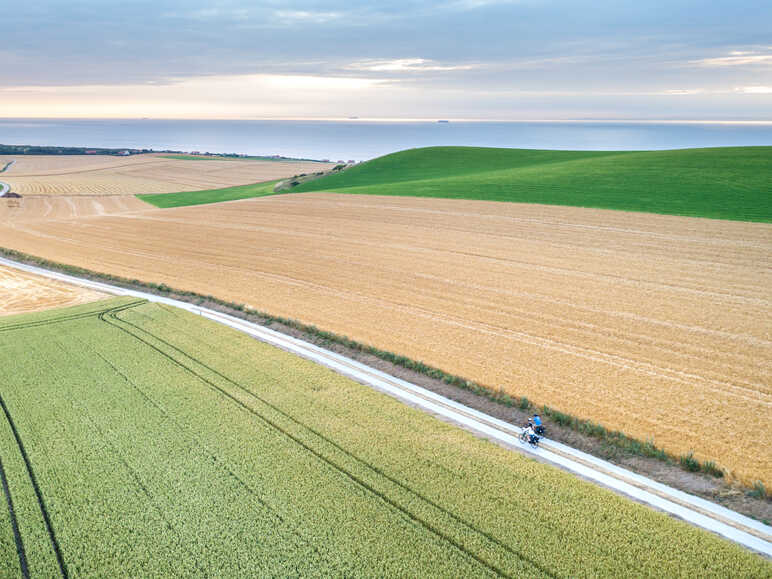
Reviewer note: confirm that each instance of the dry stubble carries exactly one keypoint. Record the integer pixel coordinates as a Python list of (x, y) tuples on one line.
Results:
[(21, 293), (148, 173), (654, 325)]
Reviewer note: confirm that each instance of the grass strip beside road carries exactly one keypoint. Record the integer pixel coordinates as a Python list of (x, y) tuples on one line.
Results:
[(185, 198), (720, 183)]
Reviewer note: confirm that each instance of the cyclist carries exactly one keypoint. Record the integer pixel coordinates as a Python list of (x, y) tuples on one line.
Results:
[(529, 434), (538, 427)]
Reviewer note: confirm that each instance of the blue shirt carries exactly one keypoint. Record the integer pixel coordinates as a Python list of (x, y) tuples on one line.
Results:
[(537, 421)]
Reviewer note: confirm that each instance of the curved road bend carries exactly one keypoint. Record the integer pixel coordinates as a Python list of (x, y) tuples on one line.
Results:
[(4, 187), (743, 530)]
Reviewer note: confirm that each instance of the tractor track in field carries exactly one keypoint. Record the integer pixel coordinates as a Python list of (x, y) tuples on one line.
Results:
[(54, 541), (215, 460), (14, 524), (38, 494), (64, 318), (393, 503)]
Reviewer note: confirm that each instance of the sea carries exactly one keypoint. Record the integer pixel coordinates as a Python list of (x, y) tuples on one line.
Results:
[(359, 140)]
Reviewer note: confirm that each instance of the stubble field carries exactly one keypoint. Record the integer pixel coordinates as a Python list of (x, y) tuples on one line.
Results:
[(150, 173), (21, 292), (654, 325)]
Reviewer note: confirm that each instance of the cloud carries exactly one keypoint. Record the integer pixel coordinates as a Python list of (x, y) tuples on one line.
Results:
[(683, 91), (208, 14), (754, 89), (405, 65), (306, 16), (221, 96), (736, 58), (475, 4)]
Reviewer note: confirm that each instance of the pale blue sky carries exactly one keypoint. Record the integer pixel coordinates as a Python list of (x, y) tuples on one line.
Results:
[(498, 59)]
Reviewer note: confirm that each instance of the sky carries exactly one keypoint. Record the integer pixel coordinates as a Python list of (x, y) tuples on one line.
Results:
[(461, 59)]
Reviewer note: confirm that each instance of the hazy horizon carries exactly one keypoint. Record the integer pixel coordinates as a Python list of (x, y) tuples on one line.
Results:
[(653, 121)]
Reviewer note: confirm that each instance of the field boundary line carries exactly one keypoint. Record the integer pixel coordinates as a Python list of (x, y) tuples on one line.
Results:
[(695, 510)]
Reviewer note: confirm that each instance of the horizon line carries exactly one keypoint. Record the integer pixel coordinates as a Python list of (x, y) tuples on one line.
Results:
[(409, 120)]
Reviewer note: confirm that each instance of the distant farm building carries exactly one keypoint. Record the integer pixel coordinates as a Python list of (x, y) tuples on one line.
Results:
[(13, 199)]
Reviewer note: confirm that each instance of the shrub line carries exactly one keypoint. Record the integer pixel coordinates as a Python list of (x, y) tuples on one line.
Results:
[(587, 427)]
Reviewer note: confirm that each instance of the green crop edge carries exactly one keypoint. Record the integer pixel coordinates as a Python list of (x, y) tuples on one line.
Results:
[(208, 196), (587, 427)]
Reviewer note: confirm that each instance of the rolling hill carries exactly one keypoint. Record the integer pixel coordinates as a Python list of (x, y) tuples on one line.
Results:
[(721, 183)]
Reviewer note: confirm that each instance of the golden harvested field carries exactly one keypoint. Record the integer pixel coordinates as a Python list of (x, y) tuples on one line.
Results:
[(22, 292), (48, 208), (655, 325), (151, 173)]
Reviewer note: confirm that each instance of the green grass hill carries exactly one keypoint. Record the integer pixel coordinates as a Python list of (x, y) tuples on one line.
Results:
[(721, 183)]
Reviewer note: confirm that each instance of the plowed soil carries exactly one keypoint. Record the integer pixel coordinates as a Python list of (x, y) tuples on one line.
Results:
[(111, 175), (21, 293), (657, 326)]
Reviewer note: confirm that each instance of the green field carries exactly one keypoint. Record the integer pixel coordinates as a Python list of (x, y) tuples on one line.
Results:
[(185, 198), (721, 183), (141, 440), (193, 158)]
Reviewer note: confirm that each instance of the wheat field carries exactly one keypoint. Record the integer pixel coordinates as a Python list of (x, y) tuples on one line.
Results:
[(658, 326), (149, 173)]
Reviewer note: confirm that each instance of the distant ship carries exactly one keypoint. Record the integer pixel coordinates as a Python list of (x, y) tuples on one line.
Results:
[(443, 121)]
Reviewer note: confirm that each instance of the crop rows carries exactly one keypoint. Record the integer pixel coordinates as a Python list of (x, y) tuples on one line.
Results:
[(624, 320), (428, 514), (92, 175)]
